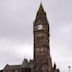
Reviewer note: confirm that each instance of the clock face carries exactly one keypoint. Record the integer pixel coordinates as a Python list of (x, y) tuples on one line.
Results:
[(42, 50), (39, 27)]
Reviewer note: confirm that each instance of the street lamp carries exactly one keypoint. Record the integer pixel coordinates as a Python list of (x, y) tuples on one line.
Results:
[(69, 68)]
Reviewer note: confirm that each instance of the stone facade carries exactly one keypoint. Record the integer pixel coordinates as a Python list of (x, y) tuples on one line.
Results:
[(41, 31), (42, 59)]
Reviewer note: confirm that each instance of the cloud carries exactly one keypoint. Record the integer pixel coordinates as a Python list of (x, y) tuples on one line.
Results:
[(13, 51), (61, 46), (16, 32)]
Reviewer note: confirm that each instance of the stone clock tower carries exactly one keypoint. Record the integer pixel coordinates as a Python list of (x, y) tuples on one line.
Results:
[(42, 60)]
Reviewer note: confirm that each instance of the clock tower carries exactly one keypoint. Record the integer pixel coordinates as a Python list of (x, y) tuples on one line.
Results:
[(42, 60)]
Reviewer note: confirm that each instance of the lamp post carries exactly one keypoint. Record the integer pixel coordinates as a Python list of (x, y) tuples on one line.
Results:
[(69, 68)]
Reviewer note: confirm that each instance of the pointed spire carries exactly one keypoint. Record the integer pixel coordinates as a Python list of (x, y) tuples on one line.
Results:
[(41, 14), (41, 9)]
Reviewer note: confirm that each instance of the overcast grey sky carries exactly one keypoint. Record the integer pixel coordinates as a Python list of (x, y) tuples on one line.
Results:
[(16, 36)]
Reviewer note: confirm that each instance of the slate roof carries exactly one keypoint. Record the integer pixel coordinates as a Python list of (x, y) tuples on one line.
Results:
[(25, 64), (12, 66)]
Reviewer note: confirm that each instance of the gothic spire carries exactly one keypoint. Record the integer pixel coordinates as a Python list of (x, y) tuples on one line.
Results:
[(41, 9), (41, 15)]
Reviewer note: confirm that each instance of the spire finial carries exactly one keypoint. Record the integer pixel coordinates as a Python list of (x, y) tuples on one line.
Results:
[(41, 1), (41, 7)]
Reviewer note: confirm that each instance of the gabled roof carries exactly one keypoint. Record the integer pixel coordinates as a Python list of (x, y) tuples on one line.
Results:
[(12, 66), (25, 63)]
